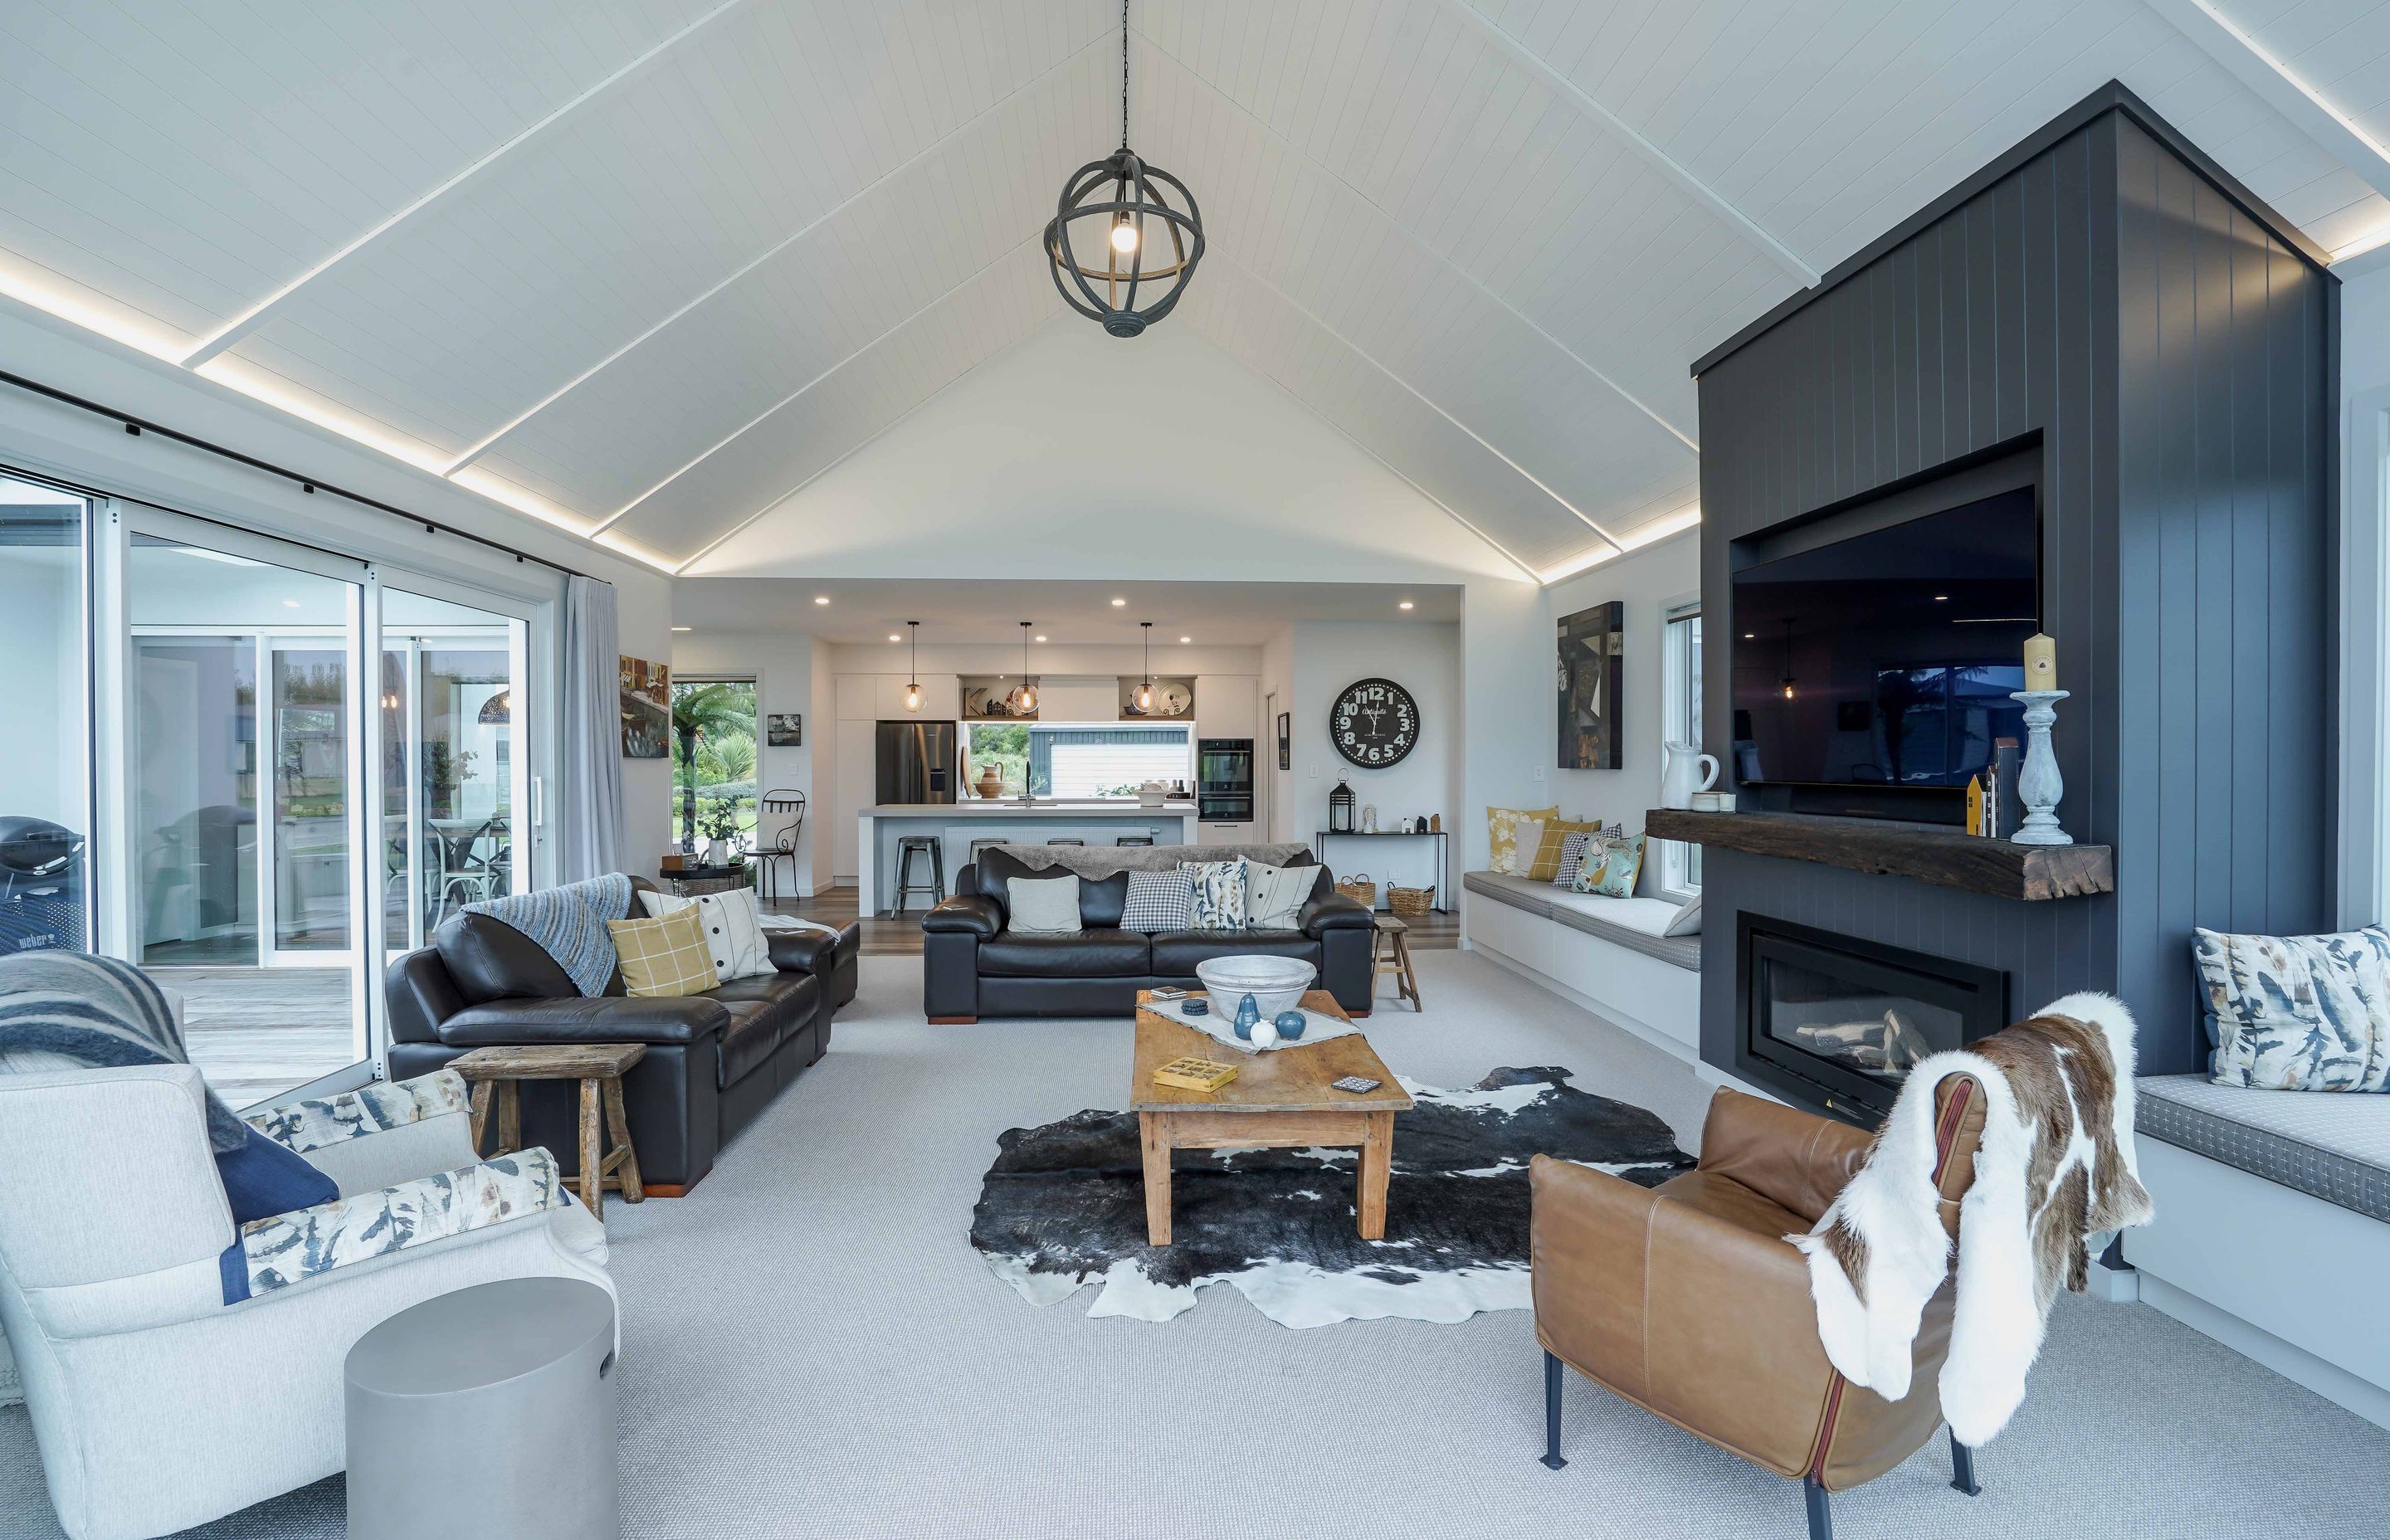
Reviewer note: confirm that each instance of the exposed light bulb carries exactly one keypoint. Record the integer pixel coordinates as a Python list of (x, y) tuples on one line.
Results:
[(1124, 236), (912, 697), (1788, 689), (1145, 697), (1028, 697)]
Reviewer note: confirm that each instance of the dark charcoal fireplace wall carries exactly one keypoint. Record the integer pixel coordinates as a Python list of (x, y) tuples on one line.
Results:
[(2105, 298)]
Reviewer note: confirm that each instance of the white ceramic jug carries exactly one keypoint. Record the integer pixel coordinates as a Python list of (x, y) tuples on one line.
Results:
[(1676, 777)]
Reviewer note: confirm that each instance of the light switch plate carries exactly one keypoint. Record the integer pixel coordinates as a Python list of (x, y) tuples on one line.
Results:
[(1539, 771)]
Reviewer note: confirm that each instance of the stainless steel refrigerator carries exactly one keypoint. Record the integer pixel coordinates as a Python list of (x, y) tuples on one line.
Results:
[(914, 761)]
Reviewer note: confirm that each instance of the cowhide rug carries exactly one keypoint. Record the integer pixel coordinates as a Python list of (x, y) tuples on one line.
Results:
[(1064, 1206)]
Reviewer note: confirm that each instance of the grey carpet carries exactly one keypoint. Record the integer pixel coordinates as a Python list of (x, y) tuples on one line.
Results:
[(813, 1349)]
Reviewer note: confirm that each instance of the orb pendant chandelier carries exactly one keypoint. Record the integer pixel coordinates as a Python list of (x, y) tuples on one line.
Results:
[(1120, 245)]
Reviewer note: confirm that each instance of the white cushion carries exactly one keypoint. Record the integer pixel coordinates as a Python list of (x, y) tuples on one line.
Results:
[(1687, 920), (1527, 839), (1650, 916), (1044, 906), (1275, 896), (733, 924)]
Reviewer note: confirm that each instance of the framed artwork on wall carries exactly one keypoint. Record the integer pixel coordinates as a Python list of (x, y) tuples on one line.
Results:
[(647, 708), (1286, 740), (1592, 665), (784, 730)]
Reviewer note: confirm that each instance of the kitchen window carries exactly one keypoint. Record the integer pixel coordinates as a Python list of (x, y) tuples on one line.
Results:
[(1078, 758)]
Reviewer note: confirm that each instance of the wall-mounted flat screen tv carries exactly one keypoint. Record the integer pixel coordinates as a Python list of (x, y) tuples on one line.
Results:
[(1887, 659)]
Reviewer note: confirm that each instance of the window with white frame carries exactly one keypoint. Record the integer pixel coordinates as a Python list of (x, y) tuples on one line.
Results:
[(1680, 707)]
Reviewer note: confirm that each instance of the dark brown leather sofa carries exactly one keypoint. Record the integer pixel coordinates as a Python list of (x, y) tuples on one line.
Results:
[(713, 1061), (974, 965), (1686, 1299)]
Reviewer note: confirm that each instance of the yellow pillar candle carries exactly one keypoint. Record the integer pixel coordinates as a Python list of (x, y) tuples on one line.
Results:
[(2040, 663)]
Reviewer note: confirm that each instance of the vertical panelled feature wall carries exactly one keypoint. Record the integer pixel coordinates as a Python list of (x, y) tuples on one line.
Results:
[(2105, 300)]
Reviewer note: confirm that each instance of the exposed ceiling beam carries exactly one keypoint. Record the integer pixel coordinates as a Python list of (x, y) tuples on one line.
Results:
[(1214, 254), (1420, 243), (1709, 196), (611, 519), (2221, 39), (491, 442), (266, 309)]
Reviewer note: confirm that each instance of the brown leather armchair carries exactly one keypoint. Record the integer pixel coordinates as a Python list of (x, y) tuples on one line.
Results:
[(1686, 1299)]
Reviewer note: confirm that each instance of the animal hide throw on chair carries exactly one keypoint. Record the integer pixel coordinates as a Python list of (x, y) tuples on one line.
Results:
[(2056, 1166)]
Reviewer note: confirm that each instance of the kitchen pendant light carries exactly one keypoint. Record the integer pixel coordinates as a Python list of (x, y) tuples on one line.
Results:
[(1145, 692), (913, 690), (1025, 699), (1125, 232)]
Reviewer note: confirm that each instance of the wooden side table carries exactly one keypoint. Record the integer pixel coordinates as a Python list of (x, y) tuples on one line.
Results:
[(1391, 947), (599, 1068)]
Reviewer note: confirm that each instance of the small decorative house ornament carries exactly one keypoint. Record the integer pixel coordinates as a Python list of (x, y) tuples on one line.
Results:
[(1339, 808)]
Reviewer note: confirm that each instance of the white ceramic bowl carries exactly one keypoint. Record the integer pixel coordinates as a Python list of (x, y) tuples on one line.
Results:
[(1276, 983)]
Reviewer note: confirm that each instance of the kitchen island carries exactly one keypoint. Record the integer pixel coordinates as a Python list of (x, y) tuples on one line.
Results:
[(956, 825)]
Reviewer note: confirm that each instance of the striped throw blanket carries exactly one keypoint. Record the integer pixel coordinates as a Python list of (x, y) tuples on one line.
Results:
[(569, 924), (101, 1013)]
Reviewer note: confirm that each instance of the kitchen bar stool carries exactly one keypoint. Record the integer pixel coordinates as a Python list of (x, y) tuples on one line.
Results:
[(979, 845), (908, 847), (1134, 839), (1066, 841)]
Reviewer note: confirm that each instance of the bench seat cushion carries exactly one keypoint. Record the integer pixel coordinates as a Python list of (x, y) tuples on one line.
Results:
[(2332, 1145), (1634, 923)]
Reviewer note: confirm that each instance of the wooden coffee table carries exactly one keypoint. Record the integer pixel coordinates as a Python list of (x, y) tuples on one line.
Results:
[(1280, 1100)]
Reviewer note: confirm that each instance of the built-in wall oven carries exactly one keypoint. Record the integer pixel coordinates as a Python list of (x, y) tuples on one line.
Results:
[(1224, 779)]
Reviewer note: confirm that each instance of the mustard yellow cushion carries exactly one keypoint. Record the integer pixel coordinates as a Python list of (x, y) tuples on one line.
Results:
[(1502, 832), (664, 955), (1545, 865)]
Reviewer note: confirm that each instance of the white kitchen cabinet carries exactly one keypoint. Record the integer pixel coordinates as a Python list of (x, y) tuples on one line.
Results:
[(856, 789), (1224, 834), (941, 698), (858, 696), (1229, 705)]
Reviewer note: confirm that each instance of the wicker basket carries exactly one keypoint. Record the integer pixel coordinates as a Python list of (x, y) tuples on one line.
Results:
[(1409, 901), (1359, 888)]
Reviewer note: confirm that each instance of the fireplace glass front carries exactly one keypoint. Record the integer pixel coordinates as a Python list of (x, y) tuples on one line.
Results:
[(1841, 1021)]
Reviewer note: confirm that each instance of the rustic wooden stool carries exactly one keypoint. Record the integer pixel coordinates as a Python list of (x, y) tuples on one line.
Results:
[(1392, 948), (599, 1068)]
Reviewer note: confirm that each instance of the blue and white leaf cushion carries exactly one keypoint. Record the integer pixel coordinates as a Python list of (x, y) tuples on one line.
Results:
[(1219, 894), (2298, 1013)]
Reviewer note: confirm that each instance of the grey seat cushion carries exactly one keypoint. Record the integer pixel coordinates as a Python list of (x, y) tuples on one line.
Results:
[(1542, 898), (2334, 1145)]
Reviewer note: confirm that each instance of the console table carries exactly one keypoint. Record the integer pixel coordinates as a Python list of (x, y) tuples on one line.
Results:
[(1443, 853)]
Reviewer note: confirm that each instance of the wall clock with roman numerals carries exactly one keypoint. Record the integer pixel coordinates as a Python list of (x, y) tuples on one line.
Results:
[(1374, 723)]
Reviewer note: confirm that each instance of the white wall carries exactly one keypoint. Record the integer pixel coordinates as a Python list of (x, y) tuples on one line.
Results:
[(1648, 580), (1277, 679), (783, 667), (1422, 657)]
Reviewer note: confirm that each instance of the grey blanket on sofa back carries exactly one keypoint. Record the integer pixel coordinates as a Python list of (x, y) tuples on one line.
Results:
[(1104, 860)]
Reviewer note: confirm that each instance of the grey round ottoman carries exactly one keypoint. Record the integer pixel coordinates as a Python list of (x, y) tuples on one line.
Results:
[(487, 1411)]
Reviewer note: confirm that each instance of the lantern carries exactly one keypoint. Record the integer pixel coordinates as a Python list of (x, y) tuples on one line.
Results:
[(1339, 808)]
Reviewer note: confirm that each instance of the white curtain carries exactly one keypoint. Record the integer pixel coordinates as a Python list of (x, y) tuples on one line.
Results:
[(589, 804)]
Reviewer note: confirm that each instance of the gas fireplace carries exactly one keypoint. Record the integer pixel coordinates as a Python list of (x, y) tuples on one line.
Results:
[(1836, 1022)]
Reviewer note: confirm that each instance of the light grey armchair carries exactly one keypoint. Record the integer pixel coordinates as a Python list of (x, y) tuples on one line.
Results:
[(158, 1405)]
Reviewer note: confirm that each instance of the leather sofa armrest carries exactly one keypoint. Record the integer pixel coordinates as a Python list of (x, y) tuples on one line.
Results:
[(1334, 911), (966, 913), (585, 1018), (801, 951)]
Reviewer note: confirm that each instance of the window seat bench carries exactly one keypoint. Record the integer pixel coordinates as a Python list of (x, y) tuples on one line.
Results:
[(2272, 1227), (1605, 954)]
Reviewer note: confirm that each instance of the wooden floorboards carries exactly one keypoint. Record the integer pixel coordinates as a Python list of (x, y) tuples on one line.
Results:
[(901, 936), (257, 1031)]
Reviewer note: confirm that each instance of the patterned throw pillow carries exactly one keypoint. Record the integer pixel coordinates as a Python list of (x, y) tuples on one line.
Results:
[(1158, 902), (1571, 857), (1219, 894), (734, 928), (1502, 831), (1275, 896), (663, 956), (2298, 1013), (1621, 860), (1552, 849)]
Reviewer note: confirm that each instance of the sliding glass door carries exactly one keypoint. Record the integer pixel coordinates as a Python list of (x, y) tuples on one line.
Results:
[(245, 782)]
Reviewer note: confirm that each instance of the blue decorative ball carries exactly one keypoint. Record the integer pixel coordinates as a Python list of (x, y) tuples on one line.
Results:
[(1291, 1024)]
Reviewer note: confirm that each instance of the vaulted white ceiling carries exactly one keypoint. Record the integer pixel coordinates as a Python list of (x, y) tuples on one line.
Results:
[(648, 268)]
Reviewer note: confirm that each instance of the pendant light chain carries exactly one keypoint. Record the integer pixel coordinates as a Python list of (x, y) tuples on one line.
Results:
[(1124, 74)]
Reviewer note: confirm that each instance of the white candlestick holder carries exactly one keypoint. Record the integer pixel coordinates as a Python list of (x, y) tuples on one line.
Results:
[(2038, 785)]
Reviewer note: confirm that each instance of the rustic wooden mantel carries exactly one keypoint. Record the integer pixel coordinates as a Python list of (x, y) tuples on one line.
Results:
[(1947, 857)]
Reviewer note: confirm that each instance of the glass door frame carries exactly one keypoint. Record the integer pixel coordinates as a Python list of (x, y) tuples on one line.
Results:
[(119, 821)]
